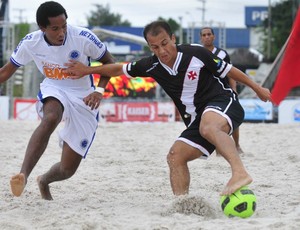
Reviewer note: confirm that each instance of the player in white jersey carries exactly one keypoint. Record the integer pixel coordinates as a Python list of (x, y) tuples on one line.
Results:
[(207, 37), (60, 98), (192, 76)]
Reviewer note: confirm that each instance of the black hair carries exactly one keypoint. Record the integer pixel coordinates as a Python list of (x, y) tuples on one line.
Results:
[(209, 28), (156, 27), (49, 9)]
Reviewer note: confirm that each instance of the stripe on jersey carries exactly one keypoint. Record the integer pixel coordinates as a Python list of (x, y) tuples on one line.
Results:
[(190, 87)]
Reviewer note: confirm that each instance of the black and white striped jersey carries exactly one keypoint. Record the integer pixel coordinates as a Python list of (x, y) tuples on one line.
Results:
[(192, 82)]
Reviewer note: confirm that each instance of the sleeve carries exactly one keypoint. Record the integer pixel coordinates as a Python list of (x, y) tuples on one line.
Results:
[(137, 68), (214, 64), (227, 57), (94, 47), (21, 56)]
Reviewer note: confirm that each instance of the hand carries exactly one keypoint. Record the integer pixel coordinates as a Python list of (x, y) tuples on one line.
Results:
[(93, 100), (76, 69), (264, 94)]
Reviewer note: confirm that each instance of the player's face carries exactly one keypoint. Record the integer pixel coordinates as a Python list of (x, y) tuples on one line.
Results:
[(164, 47), (207, 37), (56, 31)]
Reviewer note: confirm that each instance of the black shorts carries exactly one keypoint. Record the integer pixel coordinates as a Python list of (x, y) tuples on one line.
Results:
[(228, 107)]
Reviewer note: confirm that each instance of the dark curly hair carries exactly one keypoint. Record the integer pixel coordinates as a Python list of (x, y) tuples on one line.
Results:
[(49, 9)]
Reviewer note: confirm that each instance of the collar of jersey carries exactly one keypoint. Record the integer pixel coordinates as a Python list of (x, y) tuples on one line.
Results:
[(173, 71), (45, 38)]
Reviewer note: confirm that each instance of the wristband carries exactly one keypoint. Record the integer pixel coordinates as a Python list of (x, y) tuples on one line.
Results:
[(100, 90)]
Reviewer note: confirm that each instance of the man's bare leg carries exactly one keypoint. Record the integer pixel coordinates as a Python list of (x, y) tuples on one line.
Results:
[(236, 138), (37, 144), (215, 129), (44, 188), (62, 170), (178, 157)]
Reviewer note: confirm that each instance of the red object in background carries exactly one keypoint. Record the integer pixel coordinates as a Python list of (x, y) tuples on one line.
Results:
[(289, 73), (121, 86), (135, 111)]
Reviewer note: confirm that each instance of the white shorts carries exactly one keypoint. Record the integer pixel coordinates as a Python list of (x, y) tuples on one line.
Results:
[(80, 122)]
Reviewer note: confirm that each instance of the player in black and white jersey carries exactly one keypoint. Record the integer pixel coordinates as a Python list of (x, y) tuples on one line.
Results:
[(207, 37), (191, 75)]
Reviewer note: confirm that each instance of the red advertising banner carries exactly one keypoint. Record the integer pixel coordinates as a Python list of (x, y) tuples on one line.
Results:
[(138, 111), (24, 109)]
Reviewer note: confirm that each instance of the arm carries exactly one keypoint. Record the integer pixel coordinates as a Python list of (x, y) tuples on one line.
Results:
[(106, 59), (7, 71), (232, 84), (78, 69), (237, 75)]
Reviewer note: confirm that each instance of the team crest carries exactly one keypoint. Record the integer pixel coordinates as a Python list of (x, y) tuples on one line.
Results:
[(74, 54), (192, 75), (84, 143)]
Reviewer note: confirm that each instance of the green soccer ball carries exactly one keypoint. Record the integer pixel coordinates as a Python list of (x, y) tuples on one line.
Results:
[(241, 203)]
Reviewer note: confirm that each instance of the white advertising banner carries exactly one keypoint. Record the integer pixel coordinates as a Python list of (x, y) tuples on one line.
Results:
[(289, 112), (257, 110), (4, 108)]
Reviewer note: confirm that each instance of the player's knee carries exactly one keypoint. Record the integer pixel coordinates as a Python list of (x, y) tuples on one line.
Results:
[(52, 118), (206, 131), (174, 157)]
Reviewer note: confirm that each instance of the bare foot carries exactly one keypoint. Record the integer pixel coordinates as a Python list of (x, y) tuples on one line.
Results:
[(17, 184), (236, 182), (44, 189)]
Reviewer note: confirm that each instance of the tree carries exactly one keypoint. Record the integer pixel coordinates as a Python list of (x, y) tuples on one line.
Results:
[(103, 17), (282, 17), (173, 24)]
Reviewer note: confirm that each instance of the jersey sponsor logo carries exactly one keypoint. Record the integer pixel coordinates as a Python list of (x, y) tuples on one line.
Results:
[(91, 37), (218, 61), (74, 54), (220, 65), (153, 66), (192, 75), (27, 37), (54, 71)]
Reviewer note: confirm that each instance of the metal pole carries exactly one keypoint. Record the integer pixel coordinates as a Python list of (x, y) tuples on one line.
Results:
[(269, 31), (180, 31), (203, 11)]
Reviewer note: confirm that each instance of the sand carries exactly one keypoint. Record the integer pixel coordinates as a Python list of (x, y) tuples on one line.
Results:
[(124, 181)]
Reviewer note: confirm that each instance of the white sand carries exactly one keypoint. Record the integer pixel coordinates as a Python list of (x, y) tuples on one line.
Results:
[(124, 182)]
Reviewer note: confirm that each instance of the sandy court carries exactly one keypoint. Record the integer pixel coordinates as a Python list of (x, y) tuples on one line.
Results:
[(124, 181)]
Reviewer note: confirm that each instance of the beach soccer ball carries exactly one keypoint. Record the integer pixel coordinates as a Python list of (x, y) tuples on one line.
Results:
[(241, 203)]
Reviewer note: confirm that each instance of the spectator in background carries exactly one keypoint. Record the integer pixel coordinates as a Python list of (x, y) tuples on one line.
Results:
[(207, 36)]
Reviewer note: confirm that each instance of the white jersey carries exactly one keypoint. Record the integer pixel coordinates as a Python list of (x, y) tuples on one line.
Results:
[(80, 44)]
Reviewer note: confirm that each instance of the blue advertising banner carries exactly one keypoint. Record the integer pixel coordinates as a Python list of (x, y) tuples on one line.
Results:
[(255, 15), (257, 110)]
